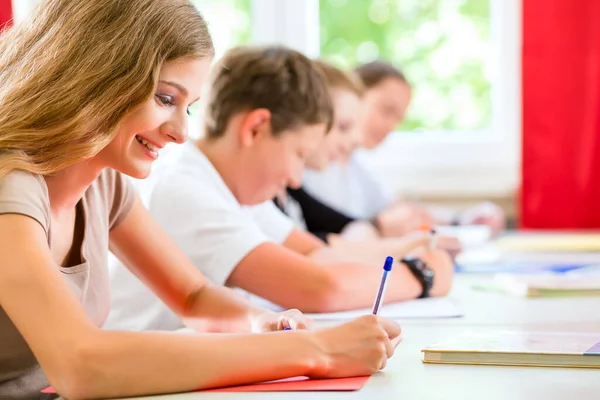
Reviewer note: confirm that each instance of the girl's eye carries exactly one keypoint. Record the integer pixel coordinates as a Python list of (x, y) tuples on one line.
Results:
[(165, 100)]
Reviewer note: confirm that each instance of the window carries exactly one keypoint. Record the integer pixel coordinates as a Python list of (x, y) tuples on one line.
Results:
[(443, 47), (229, 22), (463, 59)]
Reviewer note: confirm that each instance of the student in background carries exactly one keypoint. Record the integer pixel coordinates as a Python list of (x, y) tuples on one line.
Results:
[(309, 213), (354, 190), (330, 225), (89, 88), (268, 109)]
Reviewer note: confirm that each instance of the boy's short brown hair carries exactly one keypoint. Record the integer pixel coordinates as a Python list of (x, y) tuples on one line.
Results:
[(374, 72), (339, 79), (279, 79)]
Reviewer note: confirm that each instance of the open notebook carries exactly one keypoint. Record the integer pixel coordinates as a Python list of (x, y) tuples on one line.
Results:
[(434, 307), (549, 285), (575, 350)]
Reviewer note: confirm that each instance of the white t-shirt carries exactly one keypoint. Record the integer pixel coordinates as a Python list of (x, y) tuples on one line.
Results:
[(351, 188), (293, 210), (189, 199)]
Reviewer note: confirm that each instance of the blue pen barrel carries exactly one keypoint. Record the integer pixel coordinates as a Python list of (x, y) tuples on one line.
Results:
[(387, 267)]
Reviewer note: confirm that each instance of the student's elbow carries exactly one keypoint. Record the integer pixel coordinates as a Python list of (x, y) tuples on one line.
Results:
[(69, 380), (324, 295), (77, 375)]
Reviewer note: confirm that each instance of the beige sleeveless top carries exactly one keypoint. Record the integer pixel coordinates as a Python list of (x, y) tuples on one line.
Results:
[(105, 203)]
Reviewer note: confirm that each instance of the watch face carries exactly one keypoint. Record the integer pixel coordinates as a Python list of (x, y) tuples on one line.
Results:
[(422, 272), (421, 265)]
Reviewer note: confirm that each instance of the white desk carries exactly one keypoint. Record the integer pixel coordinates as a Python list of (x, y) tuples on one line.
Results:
[(406, 377)]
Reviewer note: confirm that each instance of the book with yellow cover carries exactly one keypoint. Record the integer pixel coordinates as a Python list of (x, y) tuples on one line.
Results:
[(535, 349), (551, 242), (549, 285)]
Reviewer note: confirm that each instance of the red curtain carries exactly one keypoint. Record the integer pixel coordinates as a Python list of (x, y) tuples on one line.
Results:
[(561, 114), (5, 13)]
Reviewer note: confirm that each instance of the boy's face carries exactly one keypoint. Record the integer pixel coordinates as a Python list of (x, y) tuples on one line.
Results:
[(275, 162), (345, 134), (385, 108)]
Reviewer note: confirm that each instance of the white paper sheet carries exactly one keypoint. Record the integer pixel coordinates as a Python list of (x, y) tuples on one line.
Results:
[(468, 235), (413, 309)]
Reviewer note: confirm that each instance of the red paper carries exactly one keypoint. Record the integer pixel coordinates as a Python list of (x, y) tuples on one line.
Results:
[(295, 384), (299, 384)]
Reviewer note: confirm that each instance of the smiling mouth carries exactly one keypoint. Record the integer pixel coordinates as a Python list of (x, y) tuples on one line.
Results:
[(146, 143)]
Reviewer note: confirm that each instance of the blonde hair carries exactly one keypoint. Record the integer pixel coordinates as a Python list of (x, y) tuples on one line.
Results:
[(340, 79), (70, 74)]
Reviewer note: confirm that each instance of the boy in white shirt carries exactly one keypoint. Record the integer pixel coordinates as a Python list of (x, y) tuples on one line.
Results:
[(268, 109)]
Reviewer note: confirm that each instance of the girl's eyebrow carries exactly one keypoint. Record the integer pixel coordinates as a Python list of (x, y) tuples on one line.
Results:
[(176, 86)]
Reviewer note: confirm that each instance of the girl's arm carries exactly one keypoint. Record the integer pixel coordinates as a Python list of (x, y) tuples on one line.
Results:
[(83, 361)]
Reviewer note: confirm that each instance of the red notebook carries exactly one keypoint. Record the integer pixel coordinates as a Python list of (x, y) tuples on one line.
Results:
[(295, 384)]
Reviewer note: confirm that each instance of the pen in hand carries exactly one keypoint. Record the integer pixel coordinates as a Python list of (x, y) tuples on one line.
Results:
[(387, 267)]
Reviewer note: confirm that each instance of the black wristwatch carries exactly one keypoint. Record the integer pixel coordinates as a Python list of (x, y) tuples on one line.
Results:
[(422, 272)]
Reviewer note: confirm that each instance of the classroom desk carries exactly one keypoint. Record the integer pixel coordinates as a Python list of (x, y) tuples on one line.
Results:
[(487, 308), (406, 377)]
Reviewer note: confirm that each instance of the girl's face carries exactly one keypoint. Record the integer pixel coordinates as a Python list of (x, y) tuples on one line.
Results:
[(385, 107), (344, 135), (160, 120)]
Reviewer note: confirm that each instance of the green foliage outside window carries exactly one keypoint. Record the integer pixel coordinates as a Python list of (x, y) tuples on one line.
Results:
[(443, 47), (228, 22)]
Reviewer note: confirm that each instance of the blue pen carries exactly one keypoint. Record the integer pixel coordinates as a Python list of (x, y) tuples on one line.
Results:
[(387, 267), (287, 329)]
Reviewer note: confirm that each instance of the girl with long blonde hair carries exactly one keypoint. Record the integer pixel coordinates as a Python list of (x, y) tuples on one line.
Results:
[(90, 90)]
